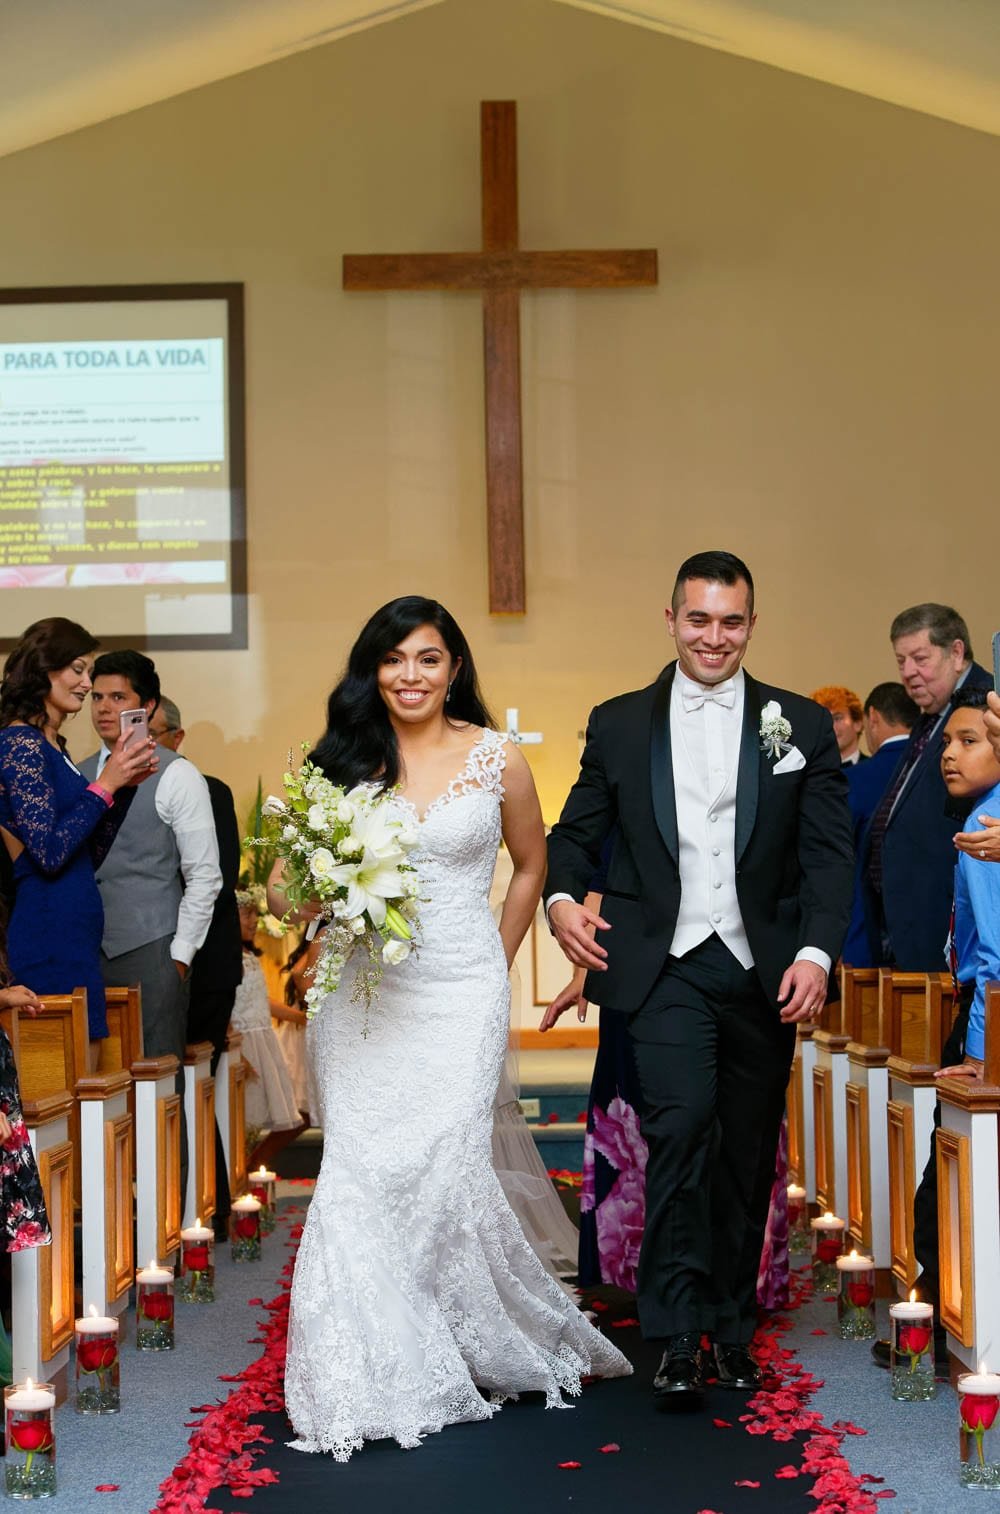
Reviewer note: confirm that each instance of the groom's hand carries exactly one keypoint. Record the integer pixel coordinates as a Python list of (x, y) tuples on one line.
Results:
[(573, 926), (804, 987)]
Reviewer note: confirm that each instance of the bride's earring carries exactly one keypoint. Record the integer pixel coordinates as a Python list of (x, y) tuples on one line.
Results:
[(447, 697)]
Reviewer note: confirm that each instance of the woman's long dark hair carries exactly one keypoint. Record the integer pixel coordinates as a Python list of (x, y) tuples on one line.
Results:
[(360, 742), (44, 648)]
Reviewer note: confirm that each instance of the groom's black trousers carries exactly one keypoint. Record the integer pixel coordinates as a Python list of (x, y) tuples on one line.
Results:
[(713, 1060)]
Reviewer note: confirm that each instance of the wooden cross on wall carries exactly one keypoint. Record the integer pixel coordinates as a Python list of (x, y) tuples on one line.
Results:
[(501, 270)]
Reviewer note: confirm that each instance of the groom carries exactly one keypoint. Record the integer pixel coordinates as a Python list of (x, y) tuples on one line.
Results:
[(728, 894)]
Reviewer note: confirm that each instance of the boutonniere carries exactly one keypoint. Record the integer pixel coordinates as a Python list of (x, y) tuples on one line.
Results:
[(775, 730)]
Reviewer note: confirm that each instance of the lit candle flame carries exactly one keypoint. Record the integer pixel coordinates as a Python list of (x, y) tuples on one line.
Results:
[(28, 1384), (93, 1311), (913, 1295), (854, 1254), (829, 1216)]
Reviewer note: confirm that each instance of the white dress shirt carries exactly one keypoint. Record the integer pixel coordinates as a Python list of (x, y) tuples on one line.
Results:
[(184, 804)]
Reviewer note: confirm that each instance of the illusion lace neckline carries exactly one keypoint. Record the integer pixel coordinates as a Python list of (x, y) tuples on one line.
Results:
[(464, 781)]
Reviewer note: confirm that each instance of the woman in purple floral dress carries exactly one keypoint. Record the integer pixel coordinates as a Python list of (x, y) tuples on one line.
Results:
[(613, 1196)]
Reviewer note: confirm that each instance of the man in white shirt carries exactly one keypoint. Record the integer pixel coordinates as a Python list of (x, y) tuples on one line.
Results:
[(159, 888), (727, 895)]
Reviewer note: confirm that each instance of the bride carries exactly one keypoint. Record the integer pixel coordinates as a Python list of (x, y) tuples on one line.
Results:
[(416, 1301)]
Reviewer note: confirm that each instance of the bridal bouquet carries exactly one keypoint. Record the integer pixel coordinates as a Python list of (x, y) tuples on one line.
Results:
[(350, 850)]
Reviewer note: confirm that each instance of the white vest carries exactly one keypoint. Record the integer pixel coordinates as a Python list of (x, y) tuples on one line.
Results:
[(706, 838)]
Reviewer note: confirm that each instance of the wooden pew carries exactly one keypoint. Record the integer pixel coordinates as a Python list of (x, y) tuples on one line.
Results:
[(866, 1099), (42, 1294), (230, 1111), (158, 1115), (831, 1039), (968, 1164), (919, 1024), (199, 1111), (52, 1050), (51, 1054)]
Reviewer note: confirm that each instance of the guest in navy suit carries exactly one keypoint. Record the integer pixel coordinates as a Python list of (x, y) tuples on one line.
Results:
[(908, 852), (889, 717)]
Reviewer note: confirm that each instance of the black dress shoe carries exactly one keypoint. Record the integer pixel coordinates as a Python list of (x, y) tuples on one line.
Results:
[(736, 1368), (680, 1380)]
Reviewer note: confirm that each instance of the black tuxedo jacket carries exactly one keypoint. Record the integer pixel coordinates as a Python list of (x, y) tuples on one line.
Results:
[(218, 963), (918, 861), (794, 852)]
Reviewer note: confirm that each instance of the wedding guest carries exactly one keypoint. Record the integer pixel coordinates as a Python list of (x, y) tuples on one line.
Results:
[(159, 883), (848, 724), (56, 827), (907, 848), (971, 774), (218, 965), (890, 715)]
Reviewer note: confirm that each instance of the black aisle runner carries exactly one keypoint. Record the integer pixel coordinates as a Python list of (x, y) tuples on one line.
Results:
[(665, 1464)]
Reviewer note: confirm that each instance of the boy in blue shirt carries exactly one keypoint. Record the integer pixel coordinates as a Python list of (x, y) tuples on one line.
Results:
[(971, 772)]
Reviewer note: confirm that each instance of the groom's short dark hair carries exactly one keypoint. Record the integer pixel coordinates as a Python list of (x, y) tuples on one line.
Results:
[(717, 568)]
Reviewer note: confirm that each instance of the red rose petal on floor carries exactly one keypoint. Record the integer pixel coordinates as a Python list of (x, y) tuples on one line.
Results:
[(611, 1446), (599, 1305), (106, 1487), (787, 1472), (566, 1466), (817, 1332), (885, 1493), (623, 1324), (745, 1482), (722, 1424)]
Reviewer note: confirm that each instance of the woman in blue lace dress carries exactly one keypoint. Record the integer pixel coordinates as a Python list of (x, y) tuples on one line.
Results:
[(56, 827)]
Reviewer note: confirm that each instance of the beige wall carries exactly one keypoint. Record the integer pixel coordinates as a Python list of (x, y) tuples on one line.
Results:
[(811, 385)]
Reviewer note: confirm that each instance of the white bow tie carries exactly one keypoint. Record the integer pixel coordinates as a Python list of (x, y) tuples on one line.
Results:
[(723, 693)]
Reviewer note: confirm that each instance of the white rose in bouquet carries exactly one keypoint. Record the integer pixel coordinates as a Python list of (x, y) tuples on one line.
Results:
[(395, 952), (322, 863)]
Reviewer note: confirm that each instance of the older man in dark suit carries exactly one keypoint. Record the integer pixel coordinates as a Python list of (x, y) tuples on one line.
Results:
[(727, 897), (908, 851)]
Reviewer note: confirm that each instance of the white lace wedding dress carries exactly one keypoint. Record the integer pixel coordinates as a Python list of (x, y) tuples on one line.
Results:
[(416, 1301)]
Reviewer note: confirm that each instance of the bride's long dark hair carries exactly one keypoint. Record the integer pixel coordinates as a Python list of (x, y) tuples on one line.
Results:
[(359, 742)]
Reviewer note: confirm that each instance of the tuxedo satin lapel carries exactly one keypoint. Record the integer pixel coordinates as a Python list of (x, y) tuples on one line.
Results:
[(748, 777), (661, 766)]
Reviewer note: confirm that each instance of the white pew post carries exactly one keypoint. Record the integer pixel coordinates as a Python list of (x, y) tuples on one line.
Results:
[(158, 1117), (199, 1112), (107, 1165), (42, 1311)]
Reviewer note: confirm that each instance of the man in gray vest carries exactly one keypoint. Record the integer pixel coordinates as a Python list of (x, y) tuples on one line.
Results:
[(159, 888)]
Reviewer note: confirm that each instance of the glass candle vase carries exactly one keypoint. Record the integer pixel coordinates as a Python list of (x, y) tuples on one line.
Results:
[(856, 1297), (244, 1229), (197, 1282), (827, 1245), (154, 1308), (262, 1188), (979, 1433), (30, 1440), (97, 1365), (911, 1342), (799, 1239)]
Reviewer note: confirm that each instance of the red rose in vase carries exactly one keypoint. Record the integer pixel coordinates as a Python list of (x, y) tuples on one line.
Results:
[(260, 1194), (31, 1435), (860, 1292), (196, 1258), (978, 1411), (828, 1248), (246, 1225), (96, 1356), (158, 1306), (914, 1340)]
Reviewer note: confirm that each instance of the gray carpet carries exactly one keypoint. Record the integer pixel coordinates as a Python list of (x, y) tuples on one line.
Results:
[(139, 1447), (914, 1447)]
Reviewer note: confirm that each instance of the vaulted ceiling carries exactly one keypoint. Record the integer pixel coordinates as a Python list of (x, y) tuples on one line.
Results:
[(65, 64)]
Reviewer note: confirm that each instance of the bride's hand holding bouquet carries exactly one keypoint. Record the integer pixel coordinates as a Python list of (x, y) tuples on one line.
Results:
[(345, 865)]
